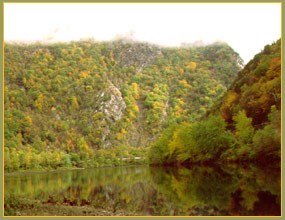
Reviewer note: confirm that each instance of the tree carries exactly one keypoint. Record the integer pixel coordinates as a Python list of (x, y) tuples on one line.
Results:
[(159, 151), (7, 160), (74, 103), (244, 130), (267, 141), (39, 102), (210, 138)]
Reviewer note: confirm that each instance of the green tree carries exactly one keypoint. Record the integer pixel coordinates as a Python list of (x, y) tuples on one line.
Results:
[(74, 103), (39, 103), (244, 130), (210, 138), (159, 152), (267, 141)]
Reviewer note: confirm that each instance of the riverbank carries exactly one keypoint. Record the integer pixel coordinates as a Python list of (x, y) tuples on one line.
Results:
[(38, 171), (36, 208), (29, 207), (24, 172)]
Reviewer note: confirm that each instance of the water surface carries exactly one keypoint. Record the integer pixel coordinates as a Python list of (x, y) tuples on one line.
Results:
[(144, 190)]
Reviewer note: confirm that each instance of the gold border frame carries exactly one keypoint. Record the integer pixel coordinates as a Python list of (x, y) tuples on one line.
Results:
[(282, 4)]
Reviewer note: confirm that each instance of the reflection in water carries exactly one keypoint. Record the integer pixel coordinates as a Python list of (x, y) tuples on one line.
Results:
[(158, 191)]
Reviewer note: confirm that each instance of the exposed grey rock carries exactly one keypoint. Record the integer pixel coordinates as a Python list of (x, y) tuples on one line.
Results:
[(139, 55), (112, 103)]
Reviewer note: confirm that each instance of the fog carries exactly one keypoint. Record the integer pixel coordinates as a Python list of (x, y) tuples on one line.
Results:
[(246, 27)]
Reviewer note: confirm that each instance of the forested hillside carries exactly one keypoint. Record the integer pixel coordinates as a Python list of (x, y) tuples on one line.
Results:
[(89, 104), (244, 125)]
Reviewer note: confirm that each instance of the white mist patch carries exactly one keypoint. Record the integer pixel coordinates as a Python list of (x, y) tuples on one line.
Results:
[(246, 27)]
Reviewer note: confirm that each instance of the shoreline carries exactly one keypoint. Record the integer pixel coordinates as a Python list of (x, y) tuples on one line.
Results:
[(22, 172), (44, 171)]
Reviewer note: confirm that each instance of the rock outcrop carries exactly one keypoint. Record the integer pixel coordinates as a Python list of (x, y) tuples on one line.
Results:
[(112, 103), (112, 106)]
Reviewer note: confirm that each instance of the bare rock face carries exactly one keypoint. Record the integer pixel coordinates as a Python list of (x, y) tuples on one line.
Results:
[(112, 106), (138, 55), (112, 103)]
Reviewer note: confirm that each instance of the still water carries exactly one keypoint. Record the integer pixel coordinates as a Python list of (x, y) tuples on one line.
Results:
[(144, 190)]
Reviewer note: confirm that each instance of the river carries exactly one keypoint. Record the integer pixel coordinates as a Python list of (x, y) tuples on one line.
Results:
[(147, 191)]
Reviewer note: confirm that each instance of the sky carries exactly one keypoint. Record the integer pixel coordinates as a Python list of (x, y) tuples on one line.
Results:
[(246, 27)]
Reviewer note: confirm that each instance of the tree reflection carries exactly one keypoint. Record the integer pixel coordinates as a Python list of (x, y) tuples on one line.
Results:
[(199, 190), (232, 190)]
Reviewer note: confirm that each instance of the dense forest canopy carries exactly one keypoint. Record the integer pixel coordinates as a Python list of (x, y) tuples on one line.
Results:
[(90, 104), (244, 125)]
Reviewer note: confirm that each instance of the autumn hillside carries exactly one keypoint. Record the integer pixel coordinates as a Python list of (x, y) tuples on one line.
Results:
[(243, 126), (89, 104)]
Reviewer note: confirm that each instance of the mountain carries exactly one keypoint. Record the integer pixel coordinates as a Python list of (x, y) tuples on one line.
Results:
[(92, 103), (256, 89), (244, 125)]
